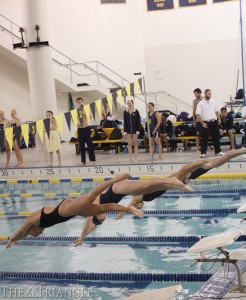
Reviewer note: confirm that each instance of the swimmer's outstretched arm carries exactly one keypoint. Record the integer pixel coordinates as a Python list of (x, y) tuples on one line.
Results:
[(22, 232), (87, 229)]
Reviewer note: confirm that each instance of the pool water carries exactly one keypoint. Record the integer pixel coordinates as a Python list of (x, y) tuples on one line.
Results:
[(54, 256)]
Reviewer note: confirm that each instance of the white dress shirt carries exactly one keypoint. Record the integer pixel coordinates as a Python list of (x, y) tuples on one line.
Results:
[(207, 109)]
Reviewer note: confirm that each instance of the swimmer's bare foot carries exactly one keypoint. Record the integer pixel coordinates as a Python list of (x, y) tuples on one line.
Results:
[(20, 166), (6, 166), (137, 212), (120, 216), (175, 184)]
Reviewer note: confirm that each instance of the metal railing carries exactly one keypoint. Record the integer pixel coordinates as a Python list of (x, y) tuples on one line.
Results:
[(93, 73)]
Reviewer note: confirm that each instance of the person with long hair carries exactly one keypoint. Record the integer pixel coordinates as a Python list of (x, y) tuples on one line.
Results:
[(4, 123), (154, 121), (53, 142), (132, 127), (16, 121)]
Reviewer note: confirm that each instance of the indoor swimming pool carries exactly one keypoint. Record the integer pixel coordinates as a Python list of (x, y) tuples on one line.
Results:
[(119, 257)]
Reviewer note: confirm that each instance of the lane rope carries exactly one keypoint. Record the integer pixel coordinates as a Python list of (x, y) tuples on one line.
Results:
[(99, 179), (219, 211), (207, 193), (136, 277), (120, 239)]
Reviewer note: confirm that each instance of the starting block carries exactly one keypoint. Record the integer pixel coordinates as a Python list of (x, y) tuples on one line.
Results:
[(160, 294), (240, 210), (219, 241)]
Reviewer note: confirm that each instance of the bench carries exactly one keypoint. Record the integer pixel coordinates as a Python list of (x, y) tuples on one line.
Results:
[(116, 143), (107, 131)]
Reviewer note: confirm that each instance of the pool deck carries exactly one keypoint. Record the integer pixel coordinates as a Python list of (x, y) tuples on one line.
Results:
[(108, 164)]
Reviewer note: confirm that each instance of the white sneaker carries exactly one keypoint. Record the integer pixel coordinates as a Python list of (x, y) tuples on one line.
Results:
[(219, 154), (202, 155)]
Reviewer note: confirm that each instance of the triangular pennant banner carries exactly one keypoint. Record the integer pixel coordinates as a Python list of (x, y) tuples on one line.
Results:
[(99, 107), (74, 114), (32, 129), (128, 90), (70, 102), (80, 115), (110, 102), (9, 136), (47, 126), (105, 105), (132, 89), (40, 129), (17, 132), (87, 113), (114, 95), (1, 139), (136, 87), (93, 110), (119, 95), (68, 119), (140, 82), (25, 133), (59, 123), (124, 94)]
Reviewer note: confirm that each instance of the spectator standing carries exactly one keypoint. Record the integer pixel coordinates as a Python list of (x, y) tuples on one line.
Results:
[(132, 128), (84, 134), (53, 142), (166, 130), (15, 121), (208, 114), (198, 126), (226, 126), (154, 120), (4, 123), (244, 118)]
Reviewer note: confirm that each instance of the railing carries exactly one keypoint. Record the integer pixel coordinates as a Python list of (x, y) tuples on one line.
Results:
[(94, 73)]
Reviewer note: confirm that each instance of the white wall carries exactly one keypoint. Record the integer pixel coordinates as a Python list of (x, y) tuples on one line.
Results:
[(14, 88), (194, 47)]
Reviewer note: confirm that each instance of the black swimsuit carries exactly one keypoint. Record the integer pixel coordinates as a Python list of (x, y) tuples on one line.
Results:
[(53, 218), (198, 173), (151, 196), (110, 197)]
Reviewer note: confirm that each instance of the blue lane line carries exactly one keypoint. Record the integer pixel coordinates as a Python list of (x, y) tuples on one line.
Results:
[(184, 246), (130, 277), (124, 240)]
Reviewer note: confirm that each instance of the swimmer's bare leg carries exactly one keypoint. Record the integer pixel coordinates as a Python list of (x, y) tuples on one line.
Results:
[(97, 209), (220, 160), (139, 187), (134, 202), (189, 168)]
